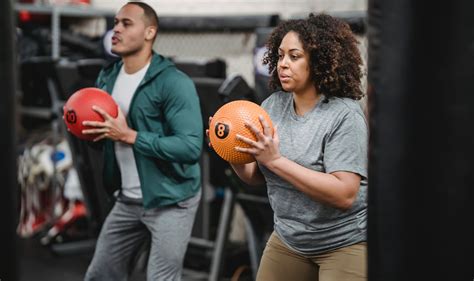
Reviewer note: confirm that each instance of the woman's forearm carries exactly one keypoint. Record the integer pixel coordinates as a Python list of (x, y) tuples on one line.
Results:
[(249, 173)]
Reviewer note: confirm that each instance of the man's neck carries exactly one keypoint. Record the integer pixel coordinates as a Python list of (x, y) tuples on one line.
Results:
[(137, 61)]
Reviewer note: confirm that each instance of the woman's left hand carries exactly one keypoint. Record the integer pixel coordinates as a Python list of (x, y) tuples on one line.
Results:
[(265, 148)]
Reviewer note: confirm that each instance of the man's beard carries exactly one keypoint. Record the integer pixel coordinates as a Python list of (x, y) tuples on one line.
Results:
[(125, 53)]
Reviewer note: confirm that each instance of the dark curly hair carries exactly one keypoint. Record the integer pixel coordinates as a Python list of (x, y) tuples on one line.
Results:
[(335, 61)]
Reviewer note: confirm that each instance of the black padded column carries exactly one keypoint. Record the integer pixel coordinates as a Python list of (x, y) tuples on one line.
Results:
[(8, 243), (421, 171)]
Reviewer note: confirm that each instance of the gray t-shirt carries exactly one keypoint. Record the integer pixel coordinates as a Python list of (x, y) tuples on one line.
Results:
[(331, 137)]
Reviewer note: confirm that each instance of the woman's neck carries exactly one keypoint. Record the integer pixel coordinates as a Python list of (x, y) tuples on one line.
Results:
[(305, 101)]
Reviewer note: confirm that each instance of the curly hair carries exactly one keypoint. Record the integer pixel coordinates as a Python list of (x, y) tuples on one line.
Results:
[(335, 61)]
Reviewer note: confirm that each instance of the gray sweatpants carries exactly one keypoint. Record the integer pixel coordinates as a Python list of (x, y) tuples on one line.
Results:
[(127, 227)]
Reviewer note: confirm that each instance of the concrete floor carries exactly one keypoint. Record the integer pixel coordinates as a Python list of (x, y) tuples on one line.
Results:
[(40, 263)]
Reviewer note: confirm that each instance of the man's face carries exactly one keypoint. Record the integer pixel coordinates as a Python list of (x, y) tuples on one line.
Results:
[(130, 31)]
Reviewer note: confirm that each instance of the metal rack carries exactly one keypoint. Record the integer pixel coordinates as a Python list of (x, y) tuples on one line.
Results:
[(58, 11), (53, 112)]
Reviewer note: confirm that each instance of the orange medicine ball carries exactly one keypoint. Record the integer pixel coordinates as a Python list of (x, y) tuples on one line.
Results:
[(78, 108), (228, 121)]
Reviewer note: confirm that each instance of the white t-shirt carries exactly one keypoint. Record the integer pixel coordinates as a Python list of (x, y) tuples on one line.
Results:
[(124, 89)]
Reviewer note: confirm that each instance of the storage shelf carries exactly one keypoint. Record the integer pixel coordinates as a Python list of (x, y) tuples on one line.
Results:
[(65, 10), (58, 11)]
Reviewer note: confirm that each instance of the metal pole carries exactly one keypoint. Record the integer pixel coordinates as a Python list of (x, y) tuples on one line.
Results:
[(222, 235), (56, 33)]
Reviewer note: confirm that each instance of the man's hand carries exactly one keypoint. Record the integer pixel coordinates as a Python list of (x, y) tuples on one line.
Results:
[(115, 129)]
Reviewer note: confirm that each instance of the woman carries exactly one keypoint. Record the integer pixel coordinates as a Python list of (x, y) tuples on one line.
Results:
[(315, 163)]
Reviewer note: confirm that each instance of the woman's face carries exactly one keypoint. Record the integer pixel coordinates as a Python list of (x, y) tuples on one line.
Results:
[(293, 64)]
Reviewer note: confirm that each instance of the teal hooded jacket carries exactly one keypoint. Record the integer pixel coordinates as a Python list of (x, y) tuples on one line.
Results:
[(165, 112)]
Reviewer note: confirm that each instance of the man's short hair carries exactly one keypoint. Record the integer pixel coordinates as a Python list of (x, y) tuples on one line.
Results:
[(150, 15)]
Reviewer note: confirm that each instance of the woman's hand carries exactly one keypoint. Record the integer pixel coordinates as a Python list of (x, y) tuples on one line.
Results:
[(265, 148), (115, 129), (207, 132), (249, 173)]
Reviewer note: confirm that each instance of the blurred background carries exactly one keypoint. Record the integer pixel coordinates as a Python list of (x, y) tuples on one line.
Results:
[(61, 45)]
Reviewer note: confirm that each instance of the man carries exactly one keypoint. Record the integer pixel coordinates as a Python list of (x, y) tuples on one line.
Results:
[(152, 149)]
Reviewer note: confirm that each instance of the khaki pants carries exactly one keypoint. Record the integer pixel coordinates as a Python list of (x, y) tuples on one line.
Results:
[(281, 263)]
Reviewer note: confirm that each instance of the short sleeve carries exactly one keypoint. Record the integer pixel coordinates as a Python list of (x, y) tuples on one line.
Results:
[(347, 145)]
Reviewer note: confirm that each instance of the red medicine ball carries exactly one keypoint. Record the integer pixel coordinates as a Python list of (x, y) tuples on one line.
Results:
[(78, 108)]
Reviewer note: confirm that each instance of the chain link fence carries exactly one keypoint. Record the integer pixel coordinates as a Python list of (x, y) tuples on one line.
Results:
[(237, 49)]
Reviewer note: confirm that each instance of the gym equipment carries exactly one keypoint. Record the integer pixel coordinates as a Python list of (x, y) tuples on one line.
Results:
[(209, 69), (236, 88), (78, 108), (69, 230), (209, 255), (229, 121), (261, 73), (87, 156)]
